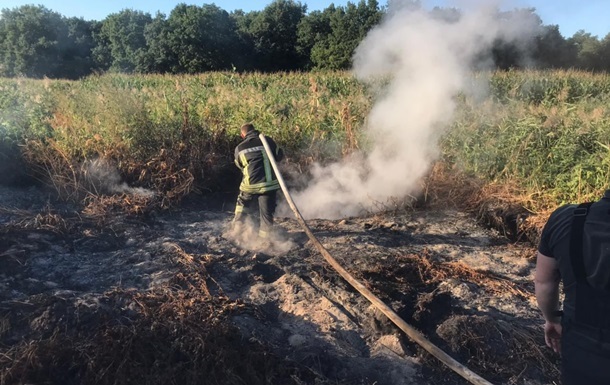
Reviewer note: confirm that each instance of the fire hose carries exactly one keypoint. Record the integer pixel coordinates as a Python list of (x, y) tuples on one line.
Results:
[(410, 331)]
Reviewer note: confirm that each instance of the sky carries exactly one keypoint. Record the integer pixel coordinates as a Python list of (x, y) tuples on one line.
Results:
[(570, 15)]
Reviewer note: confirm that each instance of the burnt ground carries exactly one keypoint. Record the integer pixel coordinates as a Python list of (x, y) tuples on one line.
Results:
[(174, 297)]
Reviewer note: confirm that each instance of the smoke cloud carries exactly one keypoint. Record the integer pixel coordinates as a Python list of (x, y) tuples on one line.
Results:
[(245, 235), (104, 178), (423, 59)]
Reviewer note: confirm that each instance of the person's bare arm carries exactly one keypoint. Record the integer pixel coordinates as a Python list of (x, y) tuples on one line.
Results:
[(547, 286), (547, 295)]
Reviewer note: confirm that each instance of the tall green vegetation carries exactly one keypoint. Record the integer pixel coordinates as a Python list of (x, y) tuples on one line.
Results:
[(545, 132), (161, 131)]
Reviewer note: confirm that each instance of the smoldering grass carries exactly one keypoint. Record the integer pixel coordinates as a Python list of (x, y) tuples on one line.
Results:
[(177, 333)]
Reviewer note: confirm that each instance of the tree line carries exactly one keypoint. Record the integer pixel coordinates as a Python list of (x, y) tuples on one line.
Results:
[(38, 42)]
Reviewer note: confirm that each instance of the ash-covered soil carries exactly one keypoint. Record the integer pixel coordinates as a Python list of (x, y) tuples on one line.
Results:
[(175, 297)]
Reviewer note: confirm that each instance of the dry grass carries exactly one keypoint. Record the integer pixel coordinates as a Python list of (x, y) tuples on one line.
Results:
[(495, 348), (47, 219), (490, 282), (105, 208), (101, 179), (175, 334), (503, 206), (420, 270), (503, 349)]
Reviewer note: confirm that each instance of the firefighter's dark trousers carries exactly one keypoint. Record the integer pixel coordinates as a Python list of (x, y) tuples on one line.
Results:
[(266, 207), (585, 360)]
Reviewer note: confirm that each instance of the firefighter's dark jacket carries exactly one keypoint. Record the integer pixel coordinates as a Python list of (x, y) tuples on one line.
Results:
[(252, 160)]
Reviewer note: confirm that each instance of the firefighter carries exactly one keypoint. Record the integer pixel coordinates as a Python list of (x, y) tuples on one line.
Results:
[(259, 183), (575, 248)]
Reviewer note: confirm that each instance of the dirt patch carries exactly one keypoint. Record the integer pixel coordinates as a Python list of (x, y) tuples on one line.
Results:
[(172, 297)]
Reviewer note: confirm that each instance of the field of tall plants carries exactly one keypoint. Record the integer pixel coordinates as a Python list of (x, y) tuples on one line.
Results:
[(172, 133), (545, 133)]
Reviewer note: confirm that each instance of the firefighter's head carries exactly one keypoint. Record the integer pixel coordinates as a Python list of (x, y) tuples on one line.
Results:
[(246, 128)]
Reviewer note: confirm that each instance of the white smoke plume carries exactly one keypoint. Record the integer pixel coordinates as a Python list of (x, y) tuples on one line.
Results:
[(103, 178), (424, 60)]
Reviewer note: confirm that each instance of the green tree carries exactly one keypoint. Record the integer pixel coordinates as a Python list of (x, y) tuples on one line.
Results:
[(120, 41), (159, 56), (76, 52), (202, 38), (349, 26), (553, 50), (516, 50), (604, 53), (31, 39), (313, 29), (246, 59), (588, 49), (274, 36)]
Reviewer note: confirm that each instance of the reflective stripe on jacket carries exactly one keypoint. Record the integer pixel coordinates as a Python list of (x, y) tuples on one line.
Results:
[(252, 159)]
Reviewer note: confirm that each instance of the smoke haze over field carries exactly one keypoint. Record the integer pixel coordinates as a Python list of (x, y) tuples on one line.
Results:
[(427, 59)]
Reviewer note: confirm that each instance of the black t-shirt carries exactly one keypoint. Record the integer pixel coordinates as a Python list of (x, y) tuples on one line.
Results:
[(555, 243)]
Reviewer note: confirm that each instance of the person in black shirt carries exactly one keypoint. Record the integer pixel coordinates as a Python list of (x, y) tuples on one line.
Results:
[(575, 249)]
